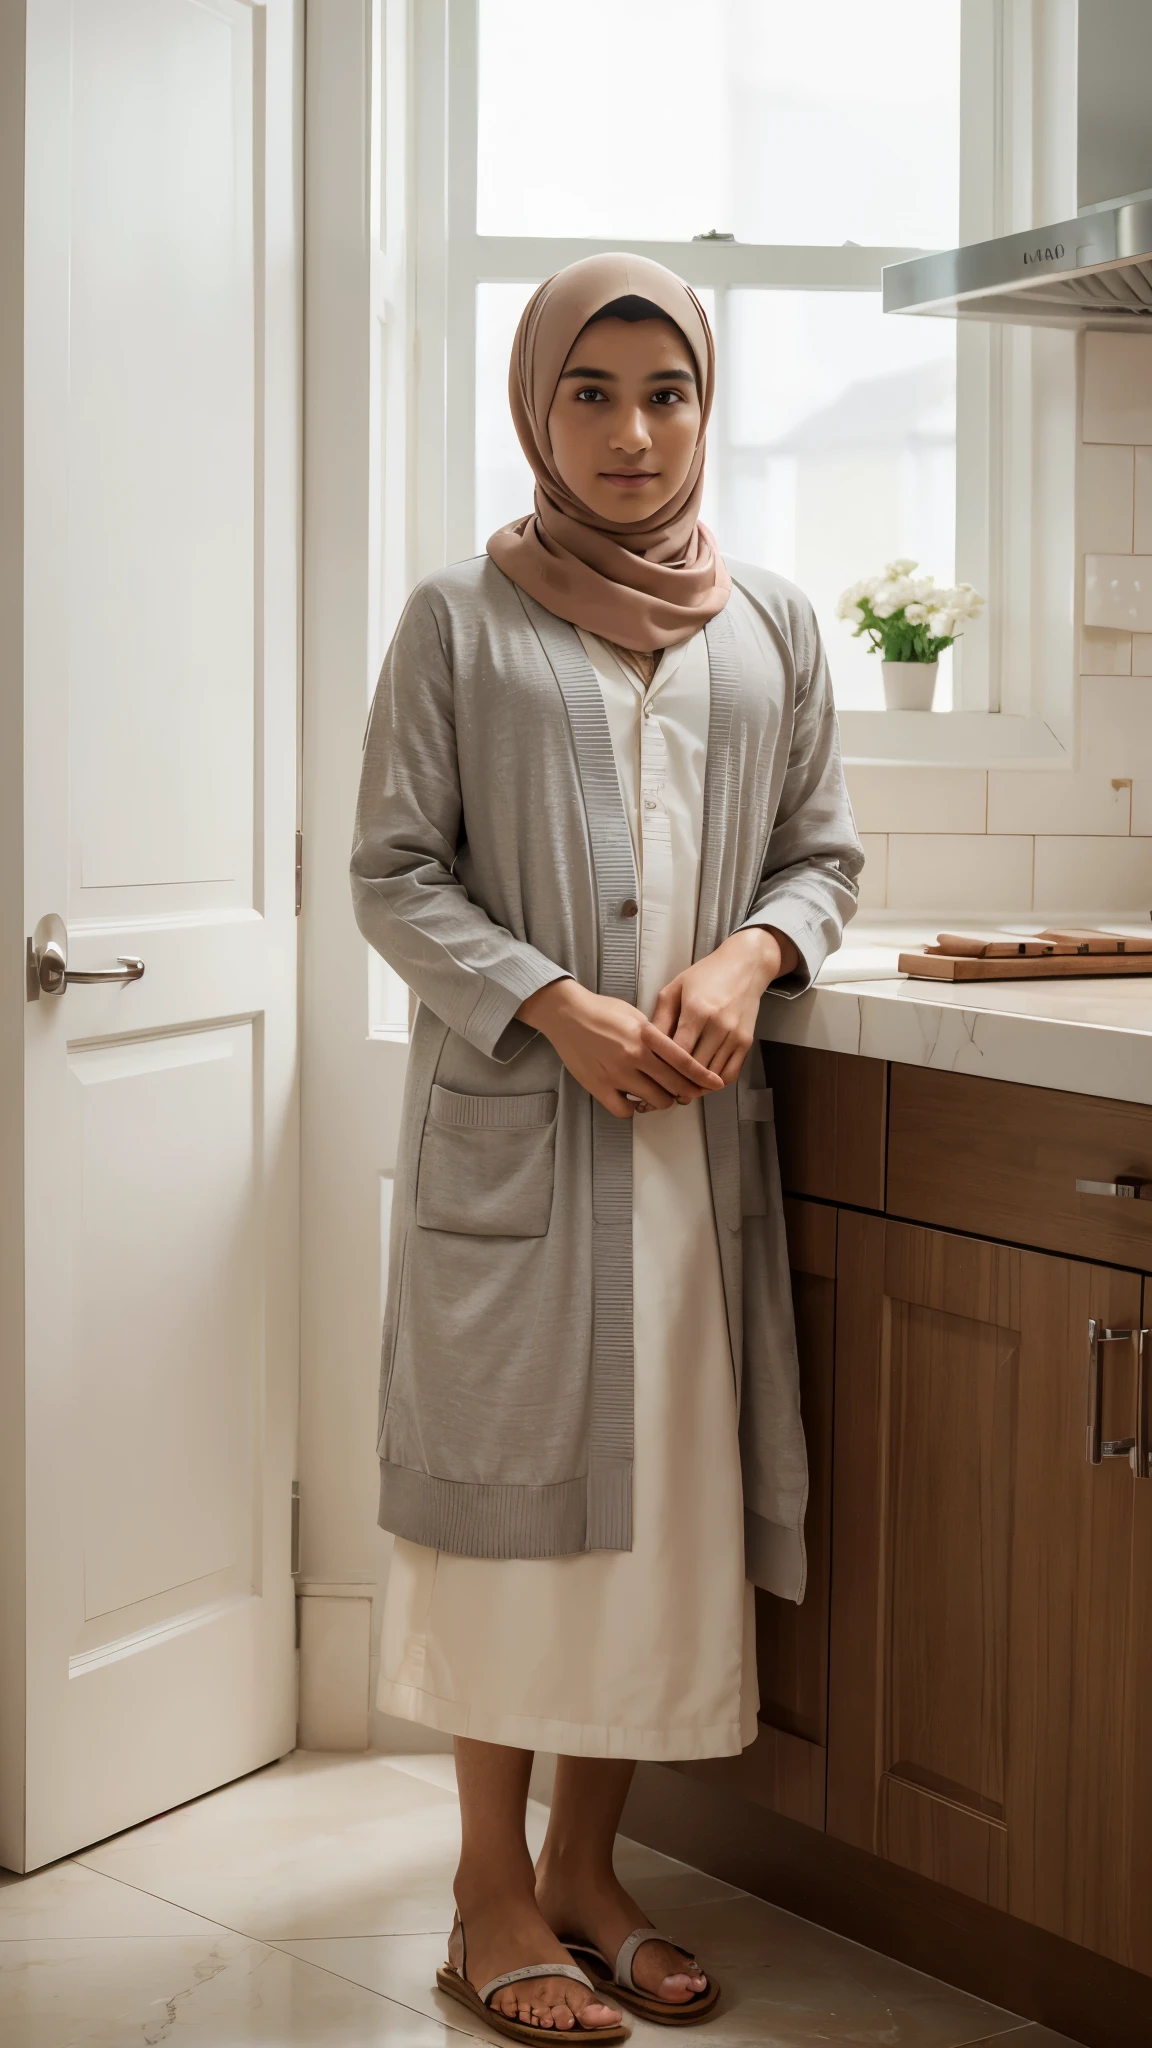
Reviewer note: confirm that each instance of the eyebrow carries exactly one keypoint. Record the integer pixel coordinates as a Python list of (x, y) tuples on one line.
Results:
[(653, 377)]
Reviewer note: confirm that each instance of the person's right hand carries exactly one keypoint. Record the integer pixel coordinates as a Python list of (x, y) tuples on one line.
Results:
[(614, 1051)]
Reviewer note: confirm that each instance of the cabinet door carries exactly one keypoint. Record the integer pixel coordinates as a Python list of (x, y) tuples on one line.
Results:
[(987, 1727), (1138, 1704)]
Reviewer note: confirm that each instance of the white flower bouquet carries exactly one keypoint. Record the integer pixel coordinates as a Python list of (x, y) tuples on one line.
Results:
[(907, 617)]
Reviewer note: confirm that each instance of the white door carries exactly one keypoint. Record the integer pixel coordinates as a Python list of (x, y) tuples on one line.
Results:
[(160, 1149)]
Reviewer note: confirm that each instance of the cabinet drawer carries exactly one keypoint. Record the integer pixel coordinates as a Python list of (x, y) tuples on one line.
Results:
[(830, 1112), (1003, 1161)]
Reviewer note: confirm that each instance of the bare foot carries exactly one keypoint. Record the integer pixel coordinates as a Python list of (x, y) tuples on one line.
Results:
[(510, 1934), (601, 1912)]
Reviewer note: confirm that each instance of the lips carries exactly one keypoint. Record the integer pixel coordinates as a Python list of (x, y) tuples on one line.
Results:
[(630, 478)]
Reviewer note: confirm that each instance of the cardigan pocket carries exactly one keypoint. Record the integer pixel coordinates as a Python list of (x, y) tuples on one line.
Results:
[(487, 1164), (756, 1112)]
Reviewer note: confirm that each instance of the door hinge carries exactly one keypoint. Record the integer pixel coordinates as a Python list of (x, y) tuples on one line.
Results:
[(299, 870), (295, 1527)]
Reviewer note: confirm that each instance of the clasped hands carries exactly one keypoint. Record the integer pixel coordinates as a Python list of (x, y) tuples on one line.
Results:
[(695, 1041)]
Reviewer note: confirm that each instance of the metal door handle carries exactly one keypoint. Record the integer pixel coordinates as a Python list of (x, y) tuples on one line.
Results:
[(128, 970), (1096, 1446), (1127, 1186), (48, 970)]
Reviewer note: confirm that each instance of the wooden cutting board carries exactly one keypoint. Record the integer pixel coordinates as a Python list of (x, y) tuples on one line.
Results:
[(949, 967)]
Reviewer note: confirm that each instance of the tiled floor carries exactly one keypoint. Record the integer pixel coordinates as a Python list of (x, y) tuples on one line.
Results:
[(309, 1904)]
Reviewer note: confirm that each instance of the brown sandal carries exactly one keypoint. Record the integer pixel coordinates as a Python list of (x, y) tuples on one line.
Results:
[(452, 1979), (623, 1989)]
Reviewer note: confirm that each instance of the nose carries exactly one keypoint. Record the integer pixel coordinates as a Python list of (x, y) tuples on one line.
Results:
[(631, 434)]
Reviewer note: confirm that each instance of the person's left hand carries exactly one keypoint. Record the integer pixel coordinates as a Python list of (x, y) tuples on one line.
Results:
[(711, 1008)]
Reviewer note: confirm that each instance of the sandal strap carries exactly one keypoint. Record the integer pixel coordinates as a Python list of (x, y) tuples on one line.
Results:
[(629, 1946), (486, 1992), (586, 1948)]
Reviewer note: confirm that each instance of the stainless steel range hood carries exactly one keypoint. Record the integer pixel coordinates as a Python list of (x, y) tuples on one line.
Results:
[(1094, 270)]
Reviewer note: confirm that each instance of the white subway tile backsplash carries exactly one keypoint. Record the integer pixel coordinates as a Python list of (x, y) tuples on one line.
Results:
[(1142, 804), (1115, 726), (1118, 592), (918, 799), (1141, 542), (1039, 800), (1090, 874), (959, 871), (1118, 388), (874, 879), (1104, 652), (966, 839), (1105, 499)]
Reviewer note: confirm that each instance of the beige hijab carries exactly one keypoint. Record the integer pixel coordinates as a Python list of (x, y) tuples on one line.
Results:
[(642, 584)]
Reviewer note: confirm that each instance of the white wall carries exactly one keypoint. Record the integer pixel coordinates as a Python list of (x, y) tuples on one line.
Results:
[(352, 1082)]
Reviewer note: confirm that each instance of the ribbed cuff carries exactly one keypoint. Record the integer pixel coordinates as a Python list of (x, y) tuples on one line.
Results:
[(493, 1026), (807, 938)]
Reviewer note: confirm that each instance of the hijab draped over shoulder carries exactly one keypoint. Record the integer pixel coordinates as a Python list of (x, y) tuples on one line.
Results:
[(643, 584)]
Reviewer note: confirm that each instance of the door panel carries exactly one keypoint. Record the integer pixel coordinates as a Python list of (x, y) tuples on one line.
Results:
[(990, 1721), (952, 1382), (161, 706), (1070, 1784), (161, 426), (168, 1369), (928, 1345), (1137, 1750)]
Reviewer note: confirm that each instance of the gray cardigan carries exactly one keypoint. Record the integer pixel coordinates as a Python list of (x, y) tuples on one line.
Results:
[(492, 853)]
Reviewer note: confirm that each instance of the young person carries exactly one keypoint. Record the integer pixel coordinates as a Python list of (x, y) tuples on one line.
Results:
[(601, 813)]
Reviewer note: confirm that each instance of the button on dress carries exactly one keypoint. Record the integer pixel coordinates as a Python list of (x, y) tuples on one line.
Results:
[(650, 1652)]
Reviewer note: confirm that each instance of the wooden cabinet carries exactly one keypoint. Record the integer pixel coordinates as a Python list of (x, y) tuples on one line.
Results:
[(960, 1712), (992, 1157), (831, 1118), (990, 1696)]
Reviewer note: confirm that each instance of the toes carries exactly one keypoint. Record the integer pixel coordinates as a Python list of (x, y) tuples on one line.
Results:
[(594, 2013), (678, 1989), (561, 2017)]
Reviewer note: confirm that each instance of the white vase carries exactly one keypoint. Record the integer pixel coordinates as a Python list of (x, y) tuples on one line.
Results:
[(909, 685)]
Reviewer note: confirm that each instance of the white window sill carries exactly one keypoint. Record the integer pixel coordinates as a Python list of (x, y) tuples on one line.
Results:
[(955, 739)]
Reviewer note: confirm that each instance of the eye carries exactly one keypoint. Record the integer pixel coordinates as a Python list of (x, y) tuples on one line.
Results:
[(670, 396), (589, 391)]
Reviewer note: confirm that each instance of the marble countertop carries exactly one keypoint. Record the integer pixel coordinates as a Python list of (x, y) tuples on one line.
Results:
[(1089, 1037)]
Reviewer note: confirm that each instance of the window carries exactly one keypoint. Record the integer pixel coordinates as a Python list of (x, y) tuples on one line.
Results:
[(655, 119), (832, 447), (770, 155)]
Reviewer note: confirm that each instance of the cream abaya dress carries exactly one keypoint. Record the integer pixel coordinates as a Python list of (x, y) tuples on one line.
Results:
[(648, 1652)]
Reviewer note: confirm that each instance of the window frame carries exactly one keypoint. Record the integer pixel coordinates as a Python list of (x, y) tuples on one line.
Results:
[(1014, 673)]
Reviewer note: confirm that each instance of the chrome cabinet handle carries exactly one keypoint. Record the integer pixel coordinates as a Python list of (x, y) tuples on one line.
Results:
[(1128, 1186), (48, 970), (1141, 1449), (1097, 1447)]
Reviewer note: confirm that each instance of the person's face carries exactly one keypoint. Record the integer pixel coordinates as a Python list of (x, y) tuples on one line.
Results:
[(625, 419)]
